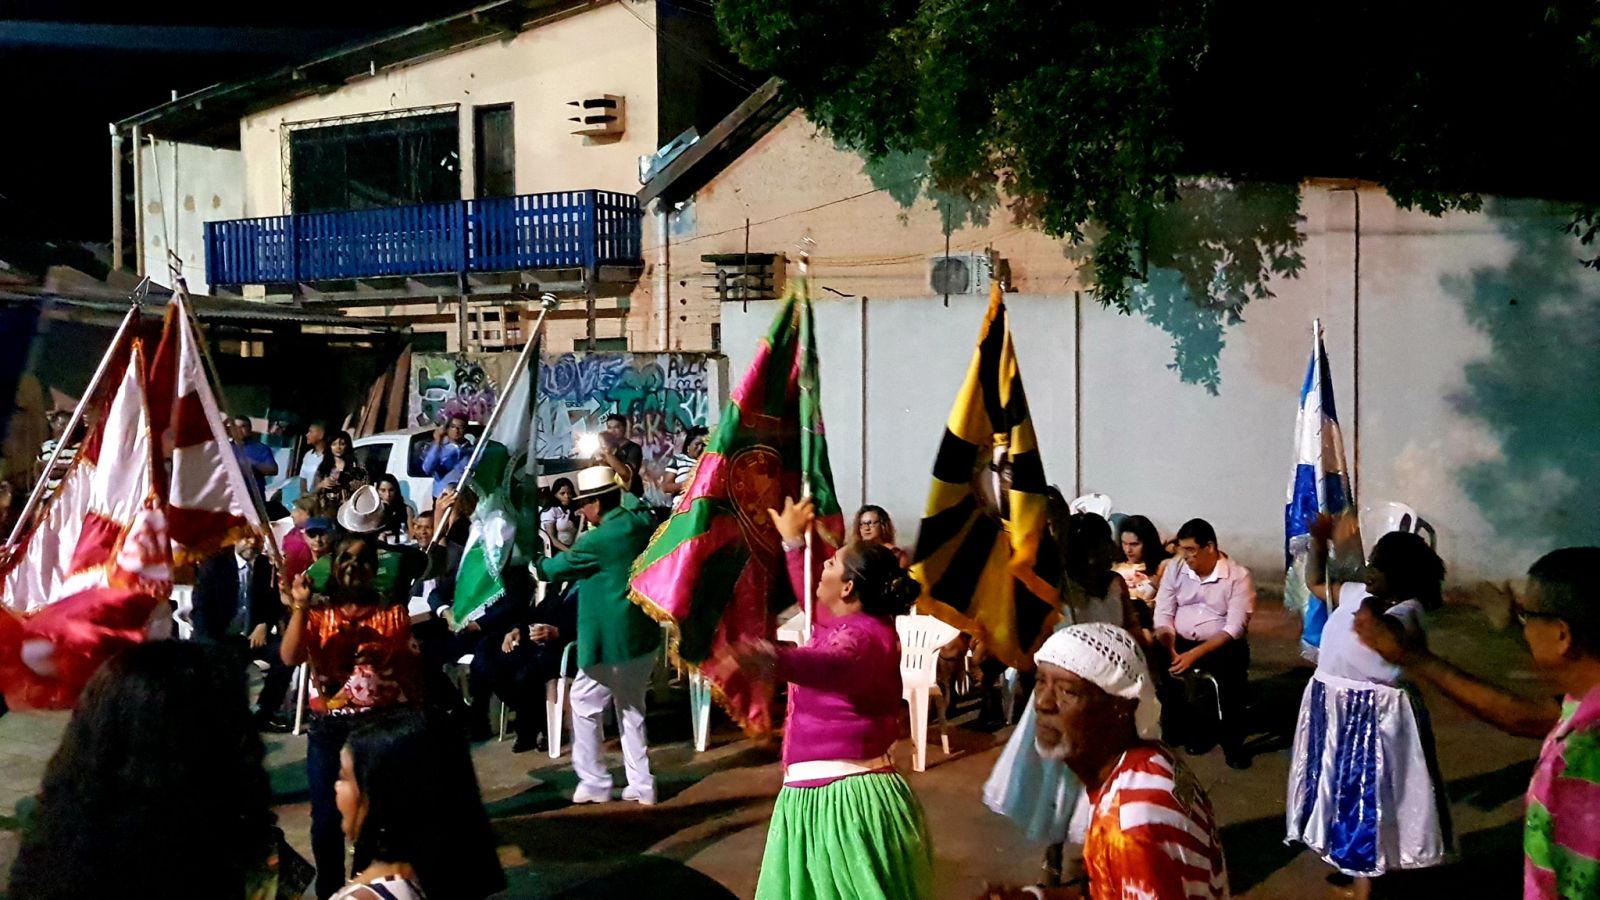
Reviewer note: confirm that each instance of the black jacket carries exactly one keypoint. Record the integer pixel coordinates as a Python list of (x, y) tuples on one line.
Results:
[(216, 596)]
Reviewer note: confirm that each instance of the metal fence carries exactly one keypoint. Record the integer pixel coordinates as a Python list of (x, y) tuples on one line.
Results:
[(561, 229)]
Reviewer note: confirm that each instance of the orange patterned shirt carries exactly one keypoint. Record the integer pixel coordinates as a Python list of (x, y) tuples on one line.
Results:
[(363, 657), (1152, 835)]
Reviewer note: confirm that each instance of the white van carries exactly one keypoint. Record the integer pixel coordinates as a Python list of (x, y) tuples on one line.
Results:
[(400, 453)]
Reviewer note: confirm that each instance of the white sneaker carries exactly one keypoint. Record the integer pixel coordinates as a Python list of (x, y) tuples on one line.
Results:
[(586, 794), (645, 797)]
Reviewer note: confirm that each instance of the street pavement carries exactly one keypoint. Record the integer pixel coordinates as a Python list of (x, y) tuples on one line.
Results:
[(704, 839)]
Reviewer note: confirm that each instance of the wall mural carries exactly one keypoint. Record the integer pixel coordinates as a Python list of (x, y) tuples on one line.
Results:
[(449, 385), (661, 394)]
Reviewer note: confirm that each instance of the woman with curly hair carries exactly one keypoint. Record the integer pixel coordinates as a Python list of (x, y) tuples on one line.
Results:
[(161, 756), (363, 660)]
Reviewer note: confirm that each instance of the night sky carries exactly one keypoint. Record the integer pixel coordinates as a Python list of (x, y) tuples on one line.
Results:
[(70, 67)]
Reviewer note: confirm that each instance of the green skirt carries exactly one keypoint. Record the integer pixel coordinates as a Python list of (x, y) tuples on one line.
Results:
[(859, 838)]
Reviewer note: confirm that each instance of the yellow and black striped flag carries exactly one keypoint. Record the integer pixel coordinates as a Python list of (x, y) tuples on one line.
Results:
[(984, 556)]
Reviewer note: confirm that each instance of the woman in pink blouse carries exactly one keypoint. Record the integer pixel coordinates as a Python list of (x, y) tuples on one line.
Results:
[(846, 824)]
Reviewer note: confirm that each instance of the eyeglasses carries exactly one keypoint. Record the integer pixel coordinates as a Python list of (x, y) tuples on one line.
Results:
[(1523, 614)]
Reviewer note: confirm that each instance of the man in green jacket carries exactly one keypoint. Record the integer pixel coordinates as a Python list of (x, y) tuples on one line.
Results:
[(617, 642)]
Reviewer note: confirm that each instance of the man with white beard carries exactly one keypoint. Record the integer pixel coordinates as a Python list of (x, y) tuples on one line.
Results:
[(1152, 832)]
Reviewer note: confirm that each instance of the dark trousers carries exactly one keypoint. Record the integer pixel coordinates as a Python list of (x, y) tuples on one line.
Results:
[(1230, 666), (326, 739), (275, 686), (519, 678)]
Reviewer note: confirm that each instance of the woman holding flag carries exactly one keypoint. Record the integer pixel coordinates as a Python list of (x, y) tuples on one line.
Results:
[(846, 824)]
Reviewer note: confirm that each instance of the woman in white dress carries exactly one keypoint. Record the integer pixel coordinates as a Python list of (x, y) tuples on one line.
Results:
[(1365, 791)]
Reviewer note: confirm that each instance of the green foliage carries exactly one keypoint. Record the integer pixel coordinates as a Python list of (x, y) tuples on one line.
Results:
[(1064, 111), (1091, 119)]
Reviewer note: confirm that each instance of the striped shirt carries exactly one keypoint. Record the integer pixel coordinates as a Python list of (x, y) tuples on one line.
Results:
[(1152, 834), (1561, 839)]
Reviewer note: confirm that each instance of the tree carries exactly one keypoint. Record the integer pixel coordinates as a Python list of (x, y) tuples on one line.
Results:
[(1130, 127)]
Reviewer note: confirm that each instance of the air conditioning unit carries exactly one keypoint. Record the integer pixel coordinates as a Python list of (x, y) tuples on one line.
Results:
[(599, 116), (961, 273)]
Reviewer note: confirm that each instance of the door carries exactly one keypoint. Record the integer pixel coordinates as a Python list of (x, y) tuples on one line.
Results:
[(494, 151)]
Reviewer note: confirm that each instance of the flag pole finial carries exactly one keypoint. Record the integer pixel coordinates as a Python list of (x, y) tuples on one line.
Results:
[(805, 246)]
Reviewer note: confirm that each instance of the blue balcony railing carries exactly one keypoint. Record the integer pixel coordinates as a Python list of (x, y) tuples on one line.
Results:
[(560, 230)]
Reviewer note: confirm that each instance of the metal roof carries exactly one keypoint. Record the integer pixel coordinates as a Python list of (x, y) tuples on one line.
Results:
[(208, 309), (211, 115), (724, 143)]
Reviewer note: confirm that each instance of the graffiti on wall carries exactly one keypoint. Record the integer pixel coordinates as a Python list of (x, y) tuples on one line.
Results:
[(447, 385), (661, 394)]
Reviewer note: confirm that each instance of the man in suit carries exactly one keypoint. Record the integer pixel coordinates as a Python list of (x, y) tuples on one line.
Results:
[(236, 603), (530, 655), (617, 642)]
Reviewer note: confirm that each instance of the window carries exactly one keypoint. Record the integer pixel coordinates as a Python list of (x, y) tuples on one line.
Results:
[(494, 151), (374, 458), (375, 164)]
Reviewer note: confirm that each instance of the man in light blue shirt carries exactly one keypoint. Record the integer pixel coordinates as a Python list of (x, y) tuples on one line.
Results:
[(256, 458), (448, 456)]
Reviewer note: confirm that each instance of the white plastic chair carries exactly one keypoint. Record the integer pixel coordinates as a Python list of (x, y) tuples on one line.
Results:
[(700, 710), (183, 598), (302, 695), (555, 701), (1391, 516), (1093, 502), (921, 638), (1009, 682)]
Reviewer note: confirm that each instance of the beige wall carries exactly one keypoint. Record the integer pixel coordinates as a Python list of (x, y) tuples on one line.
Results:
[(1476, 337), (603, 50), (185, 186)]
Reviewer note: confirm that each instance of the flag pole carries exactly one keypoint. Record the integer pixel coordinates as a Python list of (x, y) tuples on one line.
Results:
[(37, 495), (180, 296), (810, 599), (547, 302)]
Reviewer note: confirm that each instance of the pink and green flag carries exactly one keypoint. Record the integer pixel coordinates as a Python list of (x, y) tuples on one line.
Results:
[(715, 569)]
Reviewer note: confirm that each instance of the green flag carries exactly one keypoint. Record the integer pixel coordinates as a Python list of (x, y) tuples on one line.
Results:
[(504, 525), (716, 568)]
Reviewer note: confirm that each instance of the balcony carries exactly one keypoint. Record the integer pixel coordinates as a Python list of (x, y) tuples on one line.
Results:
[(572, 237)]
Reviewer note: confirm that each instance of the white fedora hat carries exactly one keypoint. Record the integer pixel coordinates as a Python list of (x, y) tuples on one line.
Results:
[(363, 512), (594, 481)]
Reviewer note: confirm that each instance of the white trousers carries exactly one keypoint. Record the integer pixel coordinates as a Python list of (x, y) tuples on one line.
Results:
[(627, 684)]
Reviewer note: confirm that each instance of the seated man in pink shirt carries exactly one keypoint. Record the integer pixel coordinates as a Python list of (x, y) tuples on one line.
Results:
[(1202, 615)]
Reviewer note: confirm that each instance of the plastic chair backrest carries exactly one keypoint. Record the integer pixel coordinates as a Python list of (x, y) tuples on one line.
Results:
[(1394, 516), (921, 638), (1093, 502)]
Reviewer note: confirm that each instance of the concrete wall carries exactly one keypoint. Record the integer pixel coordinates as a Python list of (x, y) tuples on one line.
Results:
[(185, 186), (1465, 358), (604, 50)]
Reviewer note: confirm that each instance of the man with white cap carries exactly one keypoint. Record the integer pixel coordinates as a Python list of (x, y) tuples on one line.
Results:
[(1152, 831), (616, 641)]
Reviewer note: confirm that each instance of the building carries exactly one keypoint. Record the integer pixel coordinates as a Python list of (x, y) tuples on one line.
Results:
[(438, 176), (1463, 347)]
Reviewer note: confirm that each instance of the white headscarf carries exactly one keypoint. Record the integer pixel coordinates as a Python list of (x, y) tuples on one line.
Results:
[(1107, 657)]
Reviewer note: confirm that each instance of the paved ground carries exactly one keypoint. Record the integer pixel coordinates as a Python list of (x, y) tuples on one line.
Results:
[(705, 839)]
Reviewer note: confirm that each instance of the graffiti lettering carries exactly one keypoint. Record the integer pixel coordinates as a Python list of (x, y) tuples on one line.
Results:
[(662, 394), (444, 386)]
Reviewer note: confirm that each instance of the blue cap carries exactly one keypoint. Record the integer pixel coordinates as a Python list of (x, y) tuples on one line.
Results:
[(318, 524)]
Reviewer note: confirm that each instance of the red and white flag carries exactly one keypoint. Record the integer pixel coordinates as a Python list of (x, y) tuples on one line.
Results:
[(97, 567), (210, 503)]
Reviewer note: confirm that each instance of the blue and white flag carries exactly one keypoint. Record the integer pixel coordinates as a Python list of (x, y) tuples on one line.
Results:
[(1319, 484)]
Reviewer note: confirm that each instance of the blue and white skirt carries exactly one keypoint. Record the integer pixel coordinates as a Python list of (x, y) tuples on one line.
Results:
[(1364, 786)]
